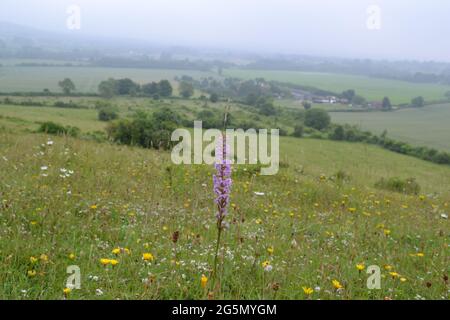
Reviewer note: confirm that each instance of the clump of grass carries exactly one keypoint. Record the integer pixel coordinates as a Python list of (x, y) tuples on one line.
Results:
[(407, 186), (50, 127)]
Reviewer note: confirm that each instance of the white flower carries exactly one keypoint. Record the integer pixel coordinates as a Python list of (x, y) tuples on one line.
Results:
[(268, 268), (98, 292), (259, 193), (49, 142), (444, 216), (44, 168)]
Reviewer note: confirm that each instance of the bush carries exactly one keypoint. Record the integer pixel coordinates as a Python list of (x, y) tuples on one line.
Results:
[(107, 114), (317, 118), (407, 186), (298, 131), (57, 129), (148, 131)]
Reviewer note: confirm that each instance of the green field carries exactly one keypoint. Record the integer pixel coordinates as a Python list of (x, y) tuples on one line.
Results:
[(372, 89), (428, 126), (86, 79)]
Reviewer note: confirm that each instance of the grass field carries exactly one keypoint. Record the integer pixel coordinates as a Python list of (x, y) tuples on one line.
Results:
[(119, 203), (428, 126), (86, 79), (372, 89)]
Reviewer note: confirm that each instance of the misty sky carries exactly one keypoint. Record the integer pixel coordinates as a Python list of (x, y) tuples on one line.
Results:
[(410, 29)]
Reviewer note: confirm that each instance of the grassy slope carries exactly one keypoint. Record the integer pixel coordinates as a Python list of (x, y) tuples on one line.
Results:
[(372, 89), (125, 197), (427, 126)]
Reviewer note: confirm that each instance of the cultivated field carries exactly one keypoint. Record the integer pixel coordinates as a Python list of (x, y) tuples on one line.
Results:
[(86, 79), (428, 126), (372, 89)]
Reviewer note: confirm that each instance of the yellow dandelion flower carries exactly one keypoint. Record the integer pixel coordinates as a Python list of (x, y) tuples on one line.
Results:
[(113, 262), (420, 254), (148, 257), (31, 273), (360, 266), (44, 258), (72, 256), (270, 250), (116, 251), (203, 281), (402, 279), (258, 221), (67, 291), (265, 264), (387, 232), (388, 267), (352, 210), (105, 261), (337, 284), (308, 291), (394, 274), (33, 260), (94, 206)]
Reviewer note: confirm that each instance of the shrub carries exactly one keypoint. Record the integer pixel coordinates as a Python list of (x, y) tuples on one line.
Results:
[(407, 186), (57, 129), (107, 114), (298, 131), (317, 118)]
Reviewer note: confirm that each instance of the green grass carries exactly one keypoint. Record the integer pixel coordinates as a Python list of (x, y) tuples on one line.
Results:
[(428, 126), (372, 89), (86, 79), (121, 197)]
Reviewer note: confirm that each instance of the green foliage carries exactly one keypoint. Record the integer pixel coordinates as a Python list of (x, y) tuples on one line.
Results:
[(386, 104), (57, 129), (148, 131), (418, 102), (407, 186), (317, 118), (107, 114), (298, 131), (186, 89), (67, 86)]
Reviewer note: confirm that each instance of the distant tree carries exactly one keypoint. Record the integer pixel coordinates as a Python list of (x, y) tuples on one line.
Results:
[(418, 102), (307, 105), (126, 87), (317, 118), (265, 106), (67, 86), (386, 104), (358, 100), (214, 97), (165, 88), (348, 94), (107, 89), (186, 89), (150, 88), (251, 99)]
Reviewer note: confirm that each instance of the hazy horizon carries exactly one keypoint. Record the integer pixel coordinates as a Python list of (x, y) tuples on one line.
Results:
[(409, 30)]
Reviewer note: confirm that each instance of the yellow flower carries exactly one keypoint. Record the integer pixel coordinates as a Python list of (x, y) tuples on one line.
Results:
[(265, 264), (44, 258), (352, 210), (420, 254), (67, 291), (308, 291), (33, 260), (394, 274), (31, 273), (116, 250), (360, 266), (388, 267), (113, 262), (258, 221), (403, 279), (94, 206), (422, 198), (203, 281), (165, 228), (105, 261), (270, 250), (72, 256), (337, 284), (148, 257), (387, 232)]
